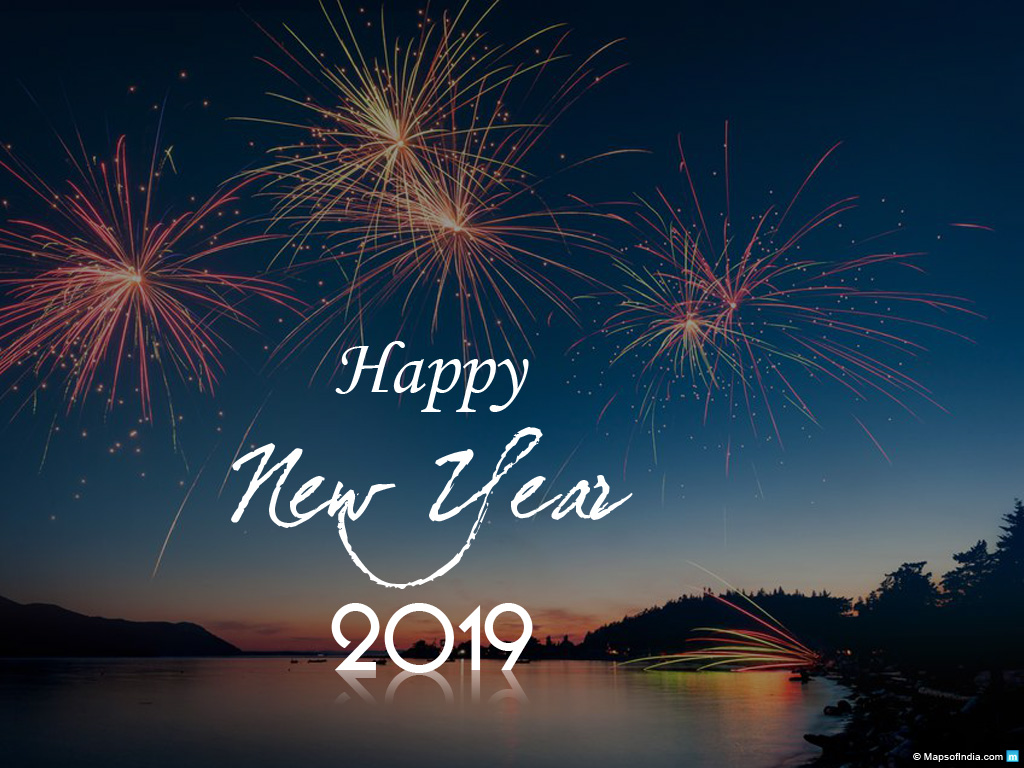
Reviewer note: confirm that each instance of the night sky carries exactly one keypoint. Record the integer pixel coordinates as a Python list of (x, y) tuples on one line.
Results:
[(926, 100)]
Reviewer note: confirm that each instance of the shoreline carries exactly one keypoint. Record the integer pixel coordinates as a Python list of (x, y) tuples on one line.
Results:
[(892, 714)]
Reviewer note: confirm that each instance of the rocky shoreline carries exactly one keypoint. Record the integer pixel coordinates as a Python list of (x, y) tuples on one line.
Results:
[(893, 714)]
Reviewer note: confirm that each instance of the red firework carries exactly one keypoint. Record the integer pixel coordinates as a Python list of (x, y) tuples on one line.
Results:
[(103, 284), (746, 317)]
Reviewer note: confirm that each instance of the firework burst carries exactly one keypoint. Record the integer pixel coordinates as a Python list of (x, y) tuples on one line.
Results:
[(415, 173), (469, 236), (375, 121), (369, 118), (104, 289), (746, 318)]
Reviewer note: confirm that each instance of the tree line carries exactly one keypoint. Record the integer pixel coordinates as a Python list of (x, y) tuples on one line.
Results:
[(971, 616)]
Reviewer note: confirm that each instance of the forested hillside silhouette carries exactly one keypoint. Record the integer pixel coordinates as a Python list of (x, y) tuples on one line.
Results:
[(971, 615)]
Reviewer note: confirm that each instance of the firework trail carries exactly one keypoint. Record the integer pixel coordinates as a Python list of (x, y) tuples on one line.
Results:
[(241, 442), (874, 440), (965, 225), (770, 646), (104, 289), (414, 172), (745, 317), (177, 515)]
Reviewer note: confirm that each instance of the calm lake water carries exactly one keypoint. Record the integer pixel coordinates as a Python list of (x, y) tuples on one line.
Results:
[(256, 712)]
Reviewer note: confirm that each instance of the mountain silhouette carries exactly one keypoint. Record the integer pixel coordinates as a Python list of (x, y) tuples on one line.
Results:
[(38, 629)]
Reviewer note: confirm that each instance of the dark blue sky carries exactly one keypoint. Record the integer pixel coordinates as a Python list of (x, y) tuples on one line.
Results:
[(926, 99)]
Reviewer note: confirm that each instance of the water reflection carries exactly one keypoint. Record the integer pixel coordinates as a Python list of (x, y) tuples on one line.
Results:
[(357, 680), (257, 712)]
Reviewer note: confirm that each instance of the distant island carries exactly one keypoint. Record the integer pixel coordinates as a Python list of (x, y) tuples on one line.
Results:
[(38, 629)]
